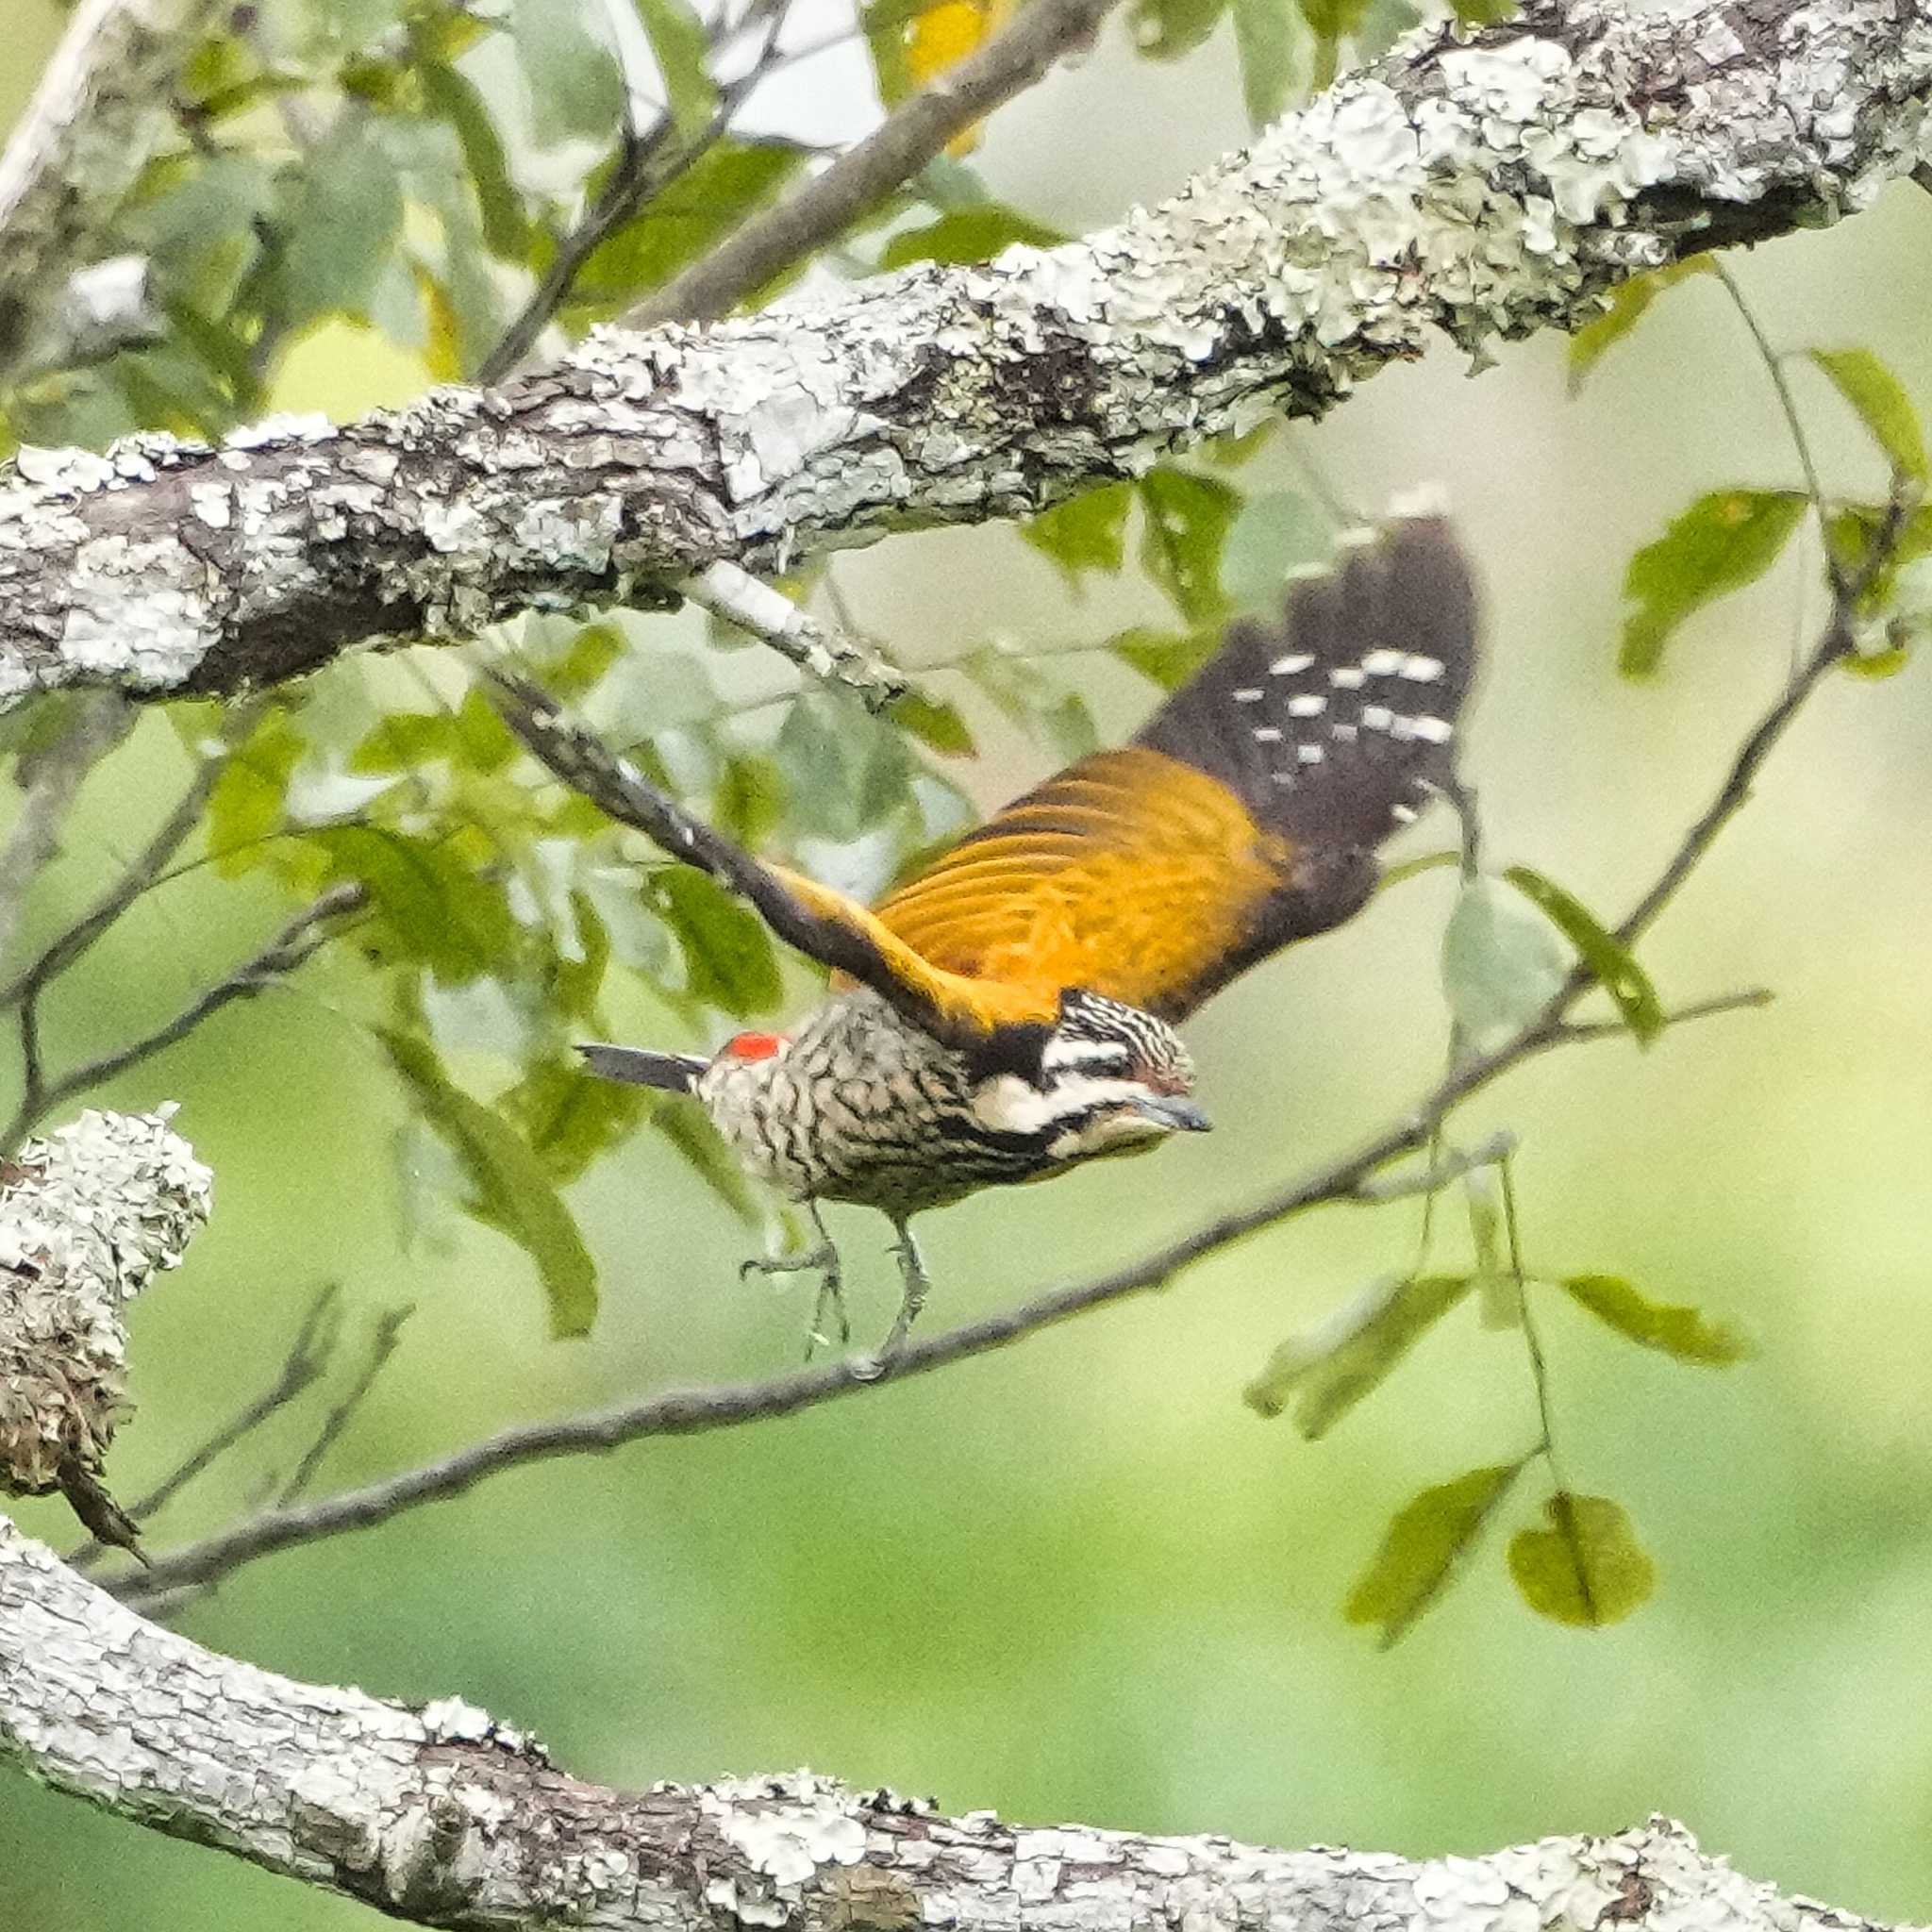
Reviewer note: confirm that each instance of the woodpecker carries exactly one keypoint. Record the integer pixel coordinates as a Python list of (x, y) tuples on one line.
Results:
[(1009, 1014)]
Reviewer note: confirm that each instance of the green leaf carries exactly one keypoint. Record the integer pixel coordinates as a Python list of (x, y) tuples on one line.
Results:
[(506, 228), (968, 234), (690, 1131), (346, 218), (1086, 532), (1334, 1364), (1484, 12), (728, 953), (1502, 964), (1723, 541), (1420, 1547), (568, 1116), (1882, 406), (732, 180), (246, 804), (1610, 961), (1167, 658), (509, 1189), (430, 906), (574, 88), (1629, 304), (682, 47), (1682, 1332), (1264, 39), (1186, 519), (937, 724), (1166, 29), (1586, 1568)]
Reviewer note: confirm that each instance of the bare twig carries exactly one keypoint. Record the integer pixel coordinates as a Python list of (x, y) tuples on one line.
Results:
[(293, 946), (649, 163), (729, 592), (1350, 1177), (57, 775), (308, 1359), (389, 1332), (142, 872), (913, 134)]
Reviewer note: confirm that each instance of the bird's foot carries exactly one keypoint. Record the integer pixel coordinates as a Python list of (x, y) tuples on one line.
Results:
[(918, 1283), (829, 1311)]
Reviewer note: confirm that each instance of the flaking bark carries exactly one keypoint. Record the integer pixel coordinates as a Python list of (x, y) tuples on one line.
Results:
[(443, 1817), (1493, 188)]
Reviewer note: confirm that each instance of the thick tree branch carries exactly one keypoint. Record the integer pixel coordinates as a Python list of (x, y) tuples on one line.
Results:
[(84, 137), (443, 1817), (1493, 187)]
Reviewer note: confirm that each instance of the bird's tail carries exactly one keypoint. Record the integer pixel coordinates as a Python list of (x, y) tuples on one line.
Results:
[(672, 1073)]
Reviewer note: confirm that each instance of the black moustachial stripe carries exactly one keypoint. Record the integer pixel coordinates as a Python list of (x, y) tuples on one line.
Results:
[(1332, 722)]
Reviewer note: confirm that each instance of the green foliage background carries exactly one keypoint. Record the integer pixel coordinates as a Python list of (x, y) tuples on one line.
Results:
[(1082, 1579)]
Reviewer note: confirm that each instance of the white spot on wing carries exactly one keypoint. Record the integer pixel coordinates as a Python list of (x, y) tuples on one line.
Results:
[(1420, 670), (1382, 663), (1309, 703), (1434, 731), (1249, 694), (1287, 666), (1377, 717), (1266, 734), (1309, 754), (1348, 677)]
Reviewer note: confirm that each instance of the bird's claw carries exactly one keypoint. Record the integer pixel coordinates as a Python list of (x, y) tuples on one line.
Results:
[(830, 1306)]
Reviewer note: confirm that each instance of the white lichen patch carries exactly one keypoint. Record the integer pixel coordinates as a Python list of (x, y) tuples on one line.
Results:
[(785, 1829), (87, 1217)]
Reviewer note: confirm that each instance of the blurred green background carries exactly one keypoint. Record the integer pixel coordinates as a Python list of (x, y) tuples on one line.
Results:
[(1081, 1580)]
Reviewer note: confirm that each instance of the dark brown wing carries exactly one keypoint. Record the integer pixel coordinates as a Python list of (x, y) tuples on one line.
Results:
[(1245, 813)]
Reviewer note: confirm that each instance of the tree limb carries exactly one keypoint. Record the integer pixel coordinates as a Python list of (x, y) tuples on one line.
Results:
[(1490, 189), (85, 136), (439, 1816)]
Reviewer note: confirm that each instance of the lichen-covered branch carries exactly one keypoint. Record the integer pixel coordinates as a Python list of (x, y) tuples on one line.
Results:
[(87, 1217), (1491, 188), (443, 1817), (85, 136)]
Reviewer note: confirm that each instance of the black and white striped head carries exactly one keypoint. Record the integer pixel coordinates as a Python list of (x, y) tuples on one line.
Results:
[(1111, 1079)]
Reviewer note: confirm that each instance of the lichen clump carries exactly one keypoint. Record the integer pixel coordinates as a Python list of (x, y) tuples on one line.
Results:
[(87, 1215)]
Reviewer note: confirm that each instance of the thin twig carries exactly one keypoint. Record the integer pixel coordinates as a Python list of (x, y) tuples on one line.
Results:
[(141, 872), (59, 773), (650, 163), (912, 135), (824, 651), (308, 1359), (692, 1411), (389, 1332), (292, 947)]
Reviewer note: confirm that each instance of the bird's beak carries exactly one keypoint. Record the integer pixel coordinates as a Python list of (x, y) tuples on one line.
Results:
[(1174, 1112)]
